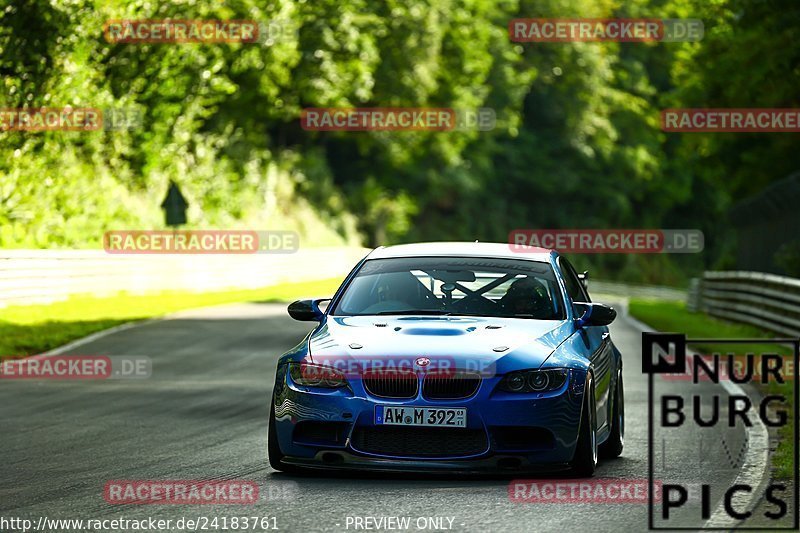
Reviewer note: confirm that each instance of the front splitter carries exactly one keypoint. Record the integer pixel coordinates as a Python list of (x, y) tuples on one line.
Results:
[(496, 464)]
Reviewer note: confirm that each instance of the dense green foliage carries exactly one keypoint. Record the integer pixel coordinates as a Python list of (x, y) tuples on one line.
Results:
[(577, 143)]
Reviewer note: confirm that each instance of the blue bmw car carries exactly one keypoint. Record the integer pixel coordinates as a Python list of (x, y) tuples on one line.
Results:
[(468, 357)]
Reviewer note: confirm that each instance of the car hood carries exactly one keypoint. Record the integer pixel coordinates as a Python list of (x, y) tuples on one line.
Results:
[(504, 343)]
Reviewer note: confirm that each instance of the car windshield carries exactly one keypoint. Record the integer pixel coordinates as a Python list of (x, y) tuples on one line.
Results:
[(453, 286)]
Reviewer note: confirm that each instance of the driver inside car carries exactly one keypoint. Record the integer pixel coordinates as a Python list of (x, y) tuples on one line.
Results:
[(403, 289), (528, 297)]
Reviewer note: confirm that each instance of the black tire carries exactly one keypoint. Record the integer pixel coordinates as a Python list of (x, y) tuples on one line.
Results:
[(584, 461), (273, 448), (613, 446)]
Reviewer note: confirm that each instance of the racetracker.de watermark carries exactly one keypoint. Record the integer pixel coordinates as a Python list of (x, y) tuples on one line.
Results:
[(400, 366), (200, 242), (557, 30), (70, 119), (743, 120), (610, 490), (141, 31), (610, 241), (181, 31), (181, 492), (397, 119), (735, 367), (76, 367)]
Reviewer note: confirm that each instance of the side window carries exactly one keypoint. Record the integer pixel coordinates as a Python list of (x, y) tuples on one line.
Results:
[(574, 286)]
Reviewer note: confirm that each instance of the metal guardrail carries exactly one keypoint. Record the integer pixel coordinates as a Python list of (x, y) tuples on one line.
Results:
[(764, 300), (43, 276), (626, 290)]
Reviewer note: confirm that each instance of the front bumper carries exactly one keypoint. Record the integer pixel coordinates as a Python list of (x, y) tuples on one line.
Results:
[(344, 460), (335, 429)]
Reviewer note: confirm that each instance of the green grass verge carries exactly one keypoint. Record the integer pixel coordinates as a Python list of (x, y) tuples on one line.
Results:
[(673, 317), (31, 329)]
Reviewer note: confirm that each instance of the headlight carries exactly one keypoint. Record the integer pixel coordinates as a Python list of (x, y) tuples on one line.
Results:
[(310, 375), (515, 382), (538, 381), (534, 380)]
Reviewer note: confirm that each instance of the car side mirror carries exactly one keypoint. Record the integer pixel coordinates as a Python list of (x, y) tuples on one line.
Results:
[(592, 314), (307, 310)]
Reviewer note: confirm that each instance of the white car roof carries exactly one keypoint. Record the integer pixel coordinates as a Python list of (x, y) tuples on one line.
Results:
[(463, 249)]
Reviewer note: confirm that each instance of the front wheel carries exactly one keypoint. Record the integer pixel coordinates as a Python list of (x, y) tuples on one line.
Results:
[(613, 446), (585, 460)]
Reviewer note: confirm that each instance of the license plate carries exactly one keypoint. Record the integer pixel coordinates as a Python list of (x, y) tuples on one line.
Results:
[(421, 416)]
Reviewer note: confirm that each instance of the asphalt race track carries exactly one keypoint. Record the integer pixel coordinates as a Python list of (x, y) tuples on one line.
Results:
[(203, 415)]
